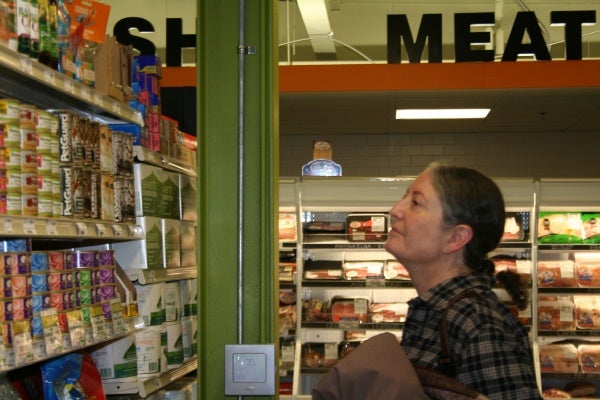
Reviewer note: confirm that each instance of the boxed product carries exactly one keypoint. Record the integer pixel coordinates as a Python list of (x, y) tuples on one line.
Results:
[(366, 227), (188, 243), (147, 181), (169, 194), (143, 254), (171, 230), (188, 193)]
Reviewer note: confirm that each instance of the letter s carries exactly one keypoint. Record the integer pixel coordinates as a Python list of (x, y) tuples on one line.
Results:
[(121, 32)]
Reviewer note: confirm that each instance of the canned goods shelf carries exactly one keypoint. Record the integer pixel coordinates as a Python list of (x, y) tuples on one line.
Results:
[(47, 88), (21, 226)]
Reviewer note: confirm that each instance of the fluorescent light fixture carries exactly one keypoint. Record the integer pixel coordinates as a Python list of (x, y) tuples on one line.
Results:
[(442, 113)]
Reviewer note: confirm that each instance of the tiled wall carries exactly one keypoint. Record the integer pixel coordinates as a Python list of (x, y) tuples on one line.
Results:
[(547, 155)]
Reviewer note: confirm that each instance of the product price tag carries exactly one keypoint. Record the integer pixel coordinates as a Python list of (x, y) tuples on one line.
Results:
[(82, 228), (86, 94), (100, 230), (49, 77), (69, 85), (26, 65), (118, 230), (97, 98), (29, 227), (7, 224), (116, 107), (51, 228)]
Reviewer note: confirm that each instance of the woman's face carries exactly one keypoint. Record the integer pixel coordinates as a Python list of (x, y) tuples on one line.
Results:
[(417, 235)]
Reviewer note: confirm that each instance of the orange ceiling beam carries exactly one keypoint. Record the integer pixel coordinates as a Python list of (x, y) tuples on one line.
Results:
[(381, 77)]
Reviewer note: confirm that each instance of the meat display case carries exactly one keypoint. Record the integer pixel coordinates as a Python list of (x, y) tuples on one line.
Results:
[(323, 206)]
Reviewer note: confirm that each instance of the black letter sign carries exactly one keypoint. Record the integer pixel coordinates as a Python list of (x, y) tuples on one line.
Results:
[(121, 32), (397, 28), (526, 21), (572, 20), (463, 37)]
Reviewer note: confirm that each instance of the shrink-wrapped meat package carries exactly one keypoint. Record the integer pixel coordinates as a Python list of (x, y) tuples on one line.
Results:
[(355, 310), (556, 314), (360, 270), (559, 358), (557, 274)]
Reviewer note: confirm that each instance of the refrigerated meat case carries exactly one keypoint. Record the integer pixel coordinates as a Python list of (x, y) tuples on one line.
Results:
[(319, 339), (30, 82)]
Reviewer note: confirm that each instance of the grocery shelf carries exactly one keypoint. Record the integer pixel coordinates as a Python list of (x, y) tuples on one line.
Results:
[(160, 160), (24, 78), (129, 324), (67, 228), (147, 276), (151, 385)]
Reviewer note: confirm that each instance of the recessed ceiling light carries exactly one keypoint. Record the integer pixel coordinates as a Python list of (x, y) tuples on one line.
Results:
[(442, 113)]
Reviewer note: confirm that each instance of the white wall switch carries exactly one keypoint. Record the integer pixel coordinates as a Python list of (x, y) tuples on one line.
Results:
[(249, 369)]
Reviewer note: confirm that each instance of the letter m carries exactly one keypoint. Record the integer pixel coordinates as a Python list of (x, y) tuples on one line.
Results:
[(430, 31)]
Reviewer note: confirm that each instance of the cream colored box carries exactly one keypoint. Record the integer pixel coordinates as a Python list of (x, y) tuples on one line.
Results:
[(188, 244), (169, 191), (188, 193), (171, 229), (147, 180), (146, 253)]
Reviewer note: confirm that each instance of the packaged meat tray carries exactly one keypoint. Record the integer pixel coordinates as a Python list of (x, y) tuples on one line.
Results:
[(366, 227), (322, 270), (587, 311), (560, 358), (557, 274), (520, 267), (394, 270), (315, 310), (588, 274), (557, 227), (361, 270), (319, 355), (589, 357), (388, 312), (514, 227), (556, 314), (350, 310), (591, 227)]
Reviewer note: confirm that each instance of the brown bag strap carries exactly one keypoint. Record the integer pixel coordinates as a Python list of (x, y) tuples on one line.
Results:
[(445, 362)]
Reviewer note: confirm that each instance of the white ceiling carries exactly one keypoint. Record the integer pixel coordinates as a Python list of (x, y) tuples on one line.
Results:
[(359, 35)]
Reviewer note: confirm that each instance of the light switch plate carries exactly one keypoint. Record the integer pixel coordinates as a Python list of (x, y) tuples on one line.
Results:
[(249, 369)]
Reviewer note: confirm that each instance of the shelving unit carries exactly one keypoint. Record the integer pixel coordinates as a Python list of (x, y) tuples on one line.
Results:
[(33, 83)]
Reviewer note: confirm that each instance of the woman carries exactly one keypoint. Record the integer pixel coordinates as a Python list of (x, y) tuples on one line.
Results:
[(441, 231)]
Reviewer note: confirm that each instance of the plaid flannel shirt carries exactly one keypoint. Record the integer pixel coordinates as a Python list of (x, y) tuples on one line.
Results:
[(489, 346)]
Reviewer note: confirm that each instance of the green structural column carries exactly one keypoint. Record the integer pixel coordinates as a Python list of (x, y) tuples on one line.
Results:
[(228, 239)]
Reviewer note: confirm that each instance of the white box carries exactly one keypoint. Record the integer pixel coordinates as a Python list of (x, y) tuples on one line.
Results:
[(145, 253), (171, 230), (188, 193), (147, 180)]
